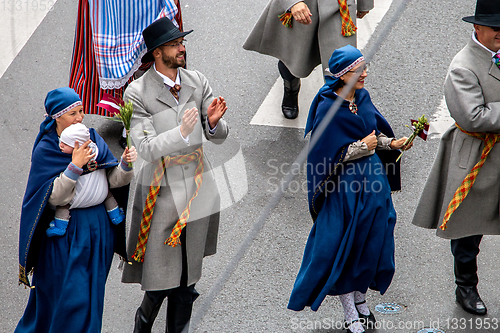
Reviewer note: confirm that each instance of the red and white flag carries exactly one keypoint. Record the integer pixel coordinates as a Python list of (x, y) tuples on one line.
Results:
[(423, 134), (110, 103)]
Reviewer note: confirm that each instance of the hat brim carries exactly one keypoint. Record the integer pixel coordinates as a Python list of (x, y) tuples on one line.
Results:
[(148, 57), (491, 21)]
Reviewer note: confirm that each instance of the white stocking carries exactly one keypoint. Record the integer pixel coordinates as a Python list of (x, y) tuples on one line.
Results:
[(363, 307), (350, 312)]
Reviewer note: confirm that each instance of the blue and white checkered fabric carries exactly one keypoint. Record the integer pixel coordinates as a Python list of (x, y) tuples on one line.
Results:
[(117, 27)]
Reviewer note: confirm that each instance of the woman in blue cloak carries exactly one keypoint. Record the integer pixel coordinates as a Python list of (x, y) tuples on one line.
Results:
[(350, 170), (69, 271)]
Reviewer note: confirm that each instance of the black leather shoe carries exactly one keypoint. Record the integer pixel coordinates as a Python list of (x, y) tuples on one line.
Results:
[(290, 104), (368, 321), (347, 325), (468, 298)]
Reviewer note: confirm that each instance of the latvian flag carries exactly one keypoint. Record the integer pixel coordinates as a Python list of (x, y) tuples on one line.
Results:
[(111, 104), (423, 134)]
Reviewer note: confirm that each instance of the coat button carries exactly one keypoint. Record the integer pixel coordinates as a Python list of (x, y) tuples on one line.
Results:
[(186, 167)]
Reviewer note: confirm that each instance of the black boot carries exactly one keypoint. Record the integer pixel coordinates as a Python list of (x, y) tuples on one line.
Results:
[(179, 308), (146, 315), (178, 317), (290, 104), (466, 293)]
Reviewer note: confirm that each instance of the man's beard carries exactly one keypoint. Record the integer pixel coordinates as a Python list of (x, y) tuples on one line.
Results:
[(172, 62)]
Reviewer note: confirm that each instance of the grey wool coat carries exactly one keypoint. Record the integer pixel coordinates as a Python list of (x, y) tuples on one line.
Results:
[(302, 47), (155, 132), (472, 92)]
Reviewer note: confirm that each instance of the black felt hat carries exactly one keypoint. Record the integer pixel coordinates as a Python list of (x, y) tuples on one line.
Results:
[(160, 32), (487, 13)]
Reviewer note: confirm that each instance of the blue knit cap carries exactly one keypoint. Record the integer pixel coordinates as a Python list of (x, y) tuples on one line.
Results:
[(342, 61), (58, 102)]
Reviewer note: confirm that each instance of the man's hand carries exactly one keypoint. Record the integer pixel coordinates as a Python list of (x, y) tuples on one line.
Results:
[(301, 13), (360, 15), (216, 110), (189, 120), (370, 140), (82, 155)]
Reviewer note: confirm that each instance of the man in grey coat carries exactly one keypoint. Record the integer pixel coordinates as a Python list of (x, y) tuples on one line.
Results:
[(472, 92), (175, 214), (301, 47)]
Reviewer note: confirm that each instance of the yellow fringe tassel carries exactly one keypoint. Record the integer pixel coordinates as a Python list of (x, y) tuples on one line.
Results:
[(286, 19), (348, 29), (173, 242)]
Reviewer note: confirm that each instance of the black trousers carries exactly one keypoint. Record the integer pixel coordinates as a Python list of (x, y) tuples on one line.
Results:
[(285, 72), (179, 306), (466, 249), (179, 300)]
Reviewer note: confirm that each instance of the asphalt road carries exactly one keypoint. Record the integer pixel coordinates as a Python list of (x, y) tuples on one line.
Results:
[(406, 78)]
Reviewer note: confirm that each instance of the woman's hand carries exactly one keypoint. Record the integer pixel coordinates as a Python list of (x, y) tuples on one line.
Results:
[(400, 144), (371, 141), (301, 13), (129, 155), (82, 155)]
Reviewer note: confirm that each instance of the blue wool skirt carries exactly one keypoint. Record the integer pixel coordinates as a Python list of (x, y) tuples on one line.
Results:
[(70, 276), (351, 244)]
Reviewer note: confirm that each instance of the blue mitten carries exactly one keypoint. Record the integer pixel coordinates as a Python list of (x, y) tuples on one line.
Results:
[(57, 227), (117, 215)]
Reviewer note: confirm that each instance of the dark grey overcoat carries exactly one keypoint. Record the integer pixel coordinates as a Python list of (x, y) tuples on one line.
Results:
[(155, 132), (472, 92), (303, 47)]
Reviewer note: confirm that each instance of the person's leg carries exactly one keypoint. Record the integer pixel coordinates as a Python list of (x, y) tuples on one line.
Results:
[(115, 213), (179, 308), (350, 313), (365, 315), (465, 251), (147, 312), (57, 227), (291, 85)]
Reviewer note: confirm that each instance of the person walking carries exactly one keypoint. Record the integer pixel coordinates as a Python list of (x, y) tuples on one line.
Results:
[(69, 269), (175, 215), (351, 245), (461, 195)]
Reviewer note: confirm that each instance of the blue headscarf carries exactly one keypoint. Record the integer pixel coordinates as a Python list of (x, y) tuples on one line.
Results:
[(342, 60), (58, 102)]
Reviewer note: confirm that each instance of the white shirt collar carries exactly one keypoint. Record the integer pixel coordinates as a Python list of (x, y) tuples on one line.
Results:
[(167, 80), (474, 38)]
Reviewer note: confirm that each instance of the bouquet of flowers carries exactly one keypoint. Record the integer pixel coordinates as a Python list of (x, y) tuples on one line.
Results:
[(119, 111), (420, 128)]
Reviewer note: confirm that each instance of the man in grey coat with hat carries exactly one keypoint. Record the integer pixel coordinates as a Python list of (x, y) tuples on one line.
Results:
[(175, 214), (305, 36), (461, 195)]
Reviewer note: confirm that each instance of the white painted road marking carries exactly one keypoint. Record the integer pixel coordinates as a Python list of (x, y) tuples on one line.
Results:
[(18, 21), (440, 121)]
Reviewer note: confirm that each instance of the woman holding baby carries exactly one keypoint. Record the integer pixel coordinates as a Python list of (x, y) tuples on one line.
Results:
[(70, 267)]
